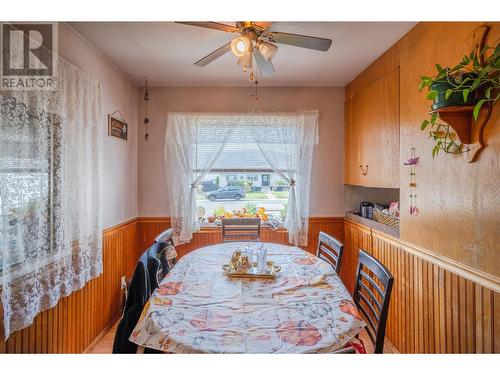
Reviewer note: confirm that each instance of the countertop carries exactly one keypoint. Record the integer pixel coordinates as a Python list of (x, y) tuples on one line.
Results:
[(373, 224)]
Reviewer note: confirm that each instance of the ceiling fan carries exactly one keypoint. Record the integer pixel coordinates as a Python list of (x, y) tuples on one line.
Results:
[(255, 41)]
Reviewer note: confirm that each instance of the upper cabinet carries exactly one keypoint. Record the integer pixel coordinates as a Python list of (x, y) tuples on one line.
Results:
[(372, 133)]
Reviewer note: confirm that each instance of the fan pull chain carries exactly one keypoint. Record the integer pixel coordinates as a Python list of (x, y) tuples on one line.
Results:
[(256, 95), (146, 118)]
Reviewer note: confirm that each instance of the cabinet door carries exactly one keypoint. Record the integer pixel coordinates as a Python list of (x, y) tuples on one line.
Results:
[(356, 237), (353, 147), (374, 134), (381, 132)]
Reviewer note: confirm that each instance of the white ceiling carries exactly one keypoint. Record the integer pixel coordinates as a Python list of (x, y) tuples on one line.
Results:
[(164, 52)]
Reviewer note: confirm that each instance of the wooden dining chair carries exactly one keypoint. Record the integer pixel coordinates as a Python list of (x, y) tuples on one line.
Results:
[(330, 249), (165, 236), (157, 265), (167, 252), (372, 294), (139, 292), (234, 230)]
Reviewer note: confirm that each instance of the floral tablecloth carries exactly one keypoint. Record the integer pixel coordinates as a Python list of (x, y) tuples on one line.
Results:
[(197, 309)]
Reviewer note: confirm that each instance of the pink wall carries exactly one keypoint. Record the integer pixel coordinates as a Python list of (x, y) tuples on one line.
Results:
[(120, 158), (327, 185)]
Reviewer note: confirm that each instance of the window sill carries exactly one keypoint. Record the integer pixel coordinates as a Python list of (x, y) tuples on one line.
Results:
[(211, 227)]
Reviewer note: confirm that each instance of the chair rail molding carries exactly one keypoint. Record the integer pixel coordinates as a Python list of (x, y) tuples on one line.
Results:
[(478, 277)]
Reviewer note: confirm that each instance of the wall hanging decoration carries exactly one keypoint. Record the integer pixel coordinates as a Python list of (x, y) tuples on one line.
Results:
[(117, 127), (412, 162), (463, 98), (146, 118)]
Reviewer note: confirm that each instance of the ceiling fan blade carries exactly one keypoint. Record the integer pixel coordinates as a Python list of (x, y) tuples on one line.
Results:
[(266, 67), (261, 25), (213, 25), (214, 55), (304, 41)]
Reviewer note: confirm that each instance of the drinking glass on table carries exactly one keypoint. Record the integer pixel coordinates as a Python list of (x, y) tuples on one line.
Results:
[(249, 251), (262, 259)]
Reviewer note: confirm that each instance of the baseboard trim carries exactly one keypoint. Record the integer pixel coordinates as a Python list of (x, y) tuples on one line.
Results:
[(101, 335), (392, 347)]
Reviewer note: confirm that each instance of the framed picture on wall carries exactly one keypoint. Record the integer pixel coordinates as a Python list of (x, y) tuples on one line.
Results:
[(117, 128)]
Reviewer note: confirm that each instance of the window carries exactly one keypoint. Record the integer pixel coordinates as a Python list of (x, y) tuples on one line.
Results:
[(31, 156), (249, 196), (237, 191), (50, 194), (221, 150)]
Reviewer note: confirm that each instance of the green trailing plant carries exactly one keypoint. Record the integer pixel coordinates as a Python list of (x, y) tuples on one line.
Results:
[(473, 82), (443, 137)]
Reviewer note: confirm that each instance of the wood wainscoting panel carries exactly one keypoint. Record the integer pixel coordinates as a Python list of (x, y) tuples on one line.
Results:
[(149, 227), (437, 305), (356, 236), (77, 320), (333, 226), (433, 309)]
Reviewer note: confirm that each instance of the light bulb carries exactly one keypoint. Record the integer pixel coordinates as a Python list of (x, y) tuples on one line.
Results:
[(240, 45)]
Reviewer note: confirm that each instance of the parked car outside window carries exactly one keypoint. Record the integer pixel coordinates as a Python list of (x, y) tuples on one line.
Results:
[(227, 192)]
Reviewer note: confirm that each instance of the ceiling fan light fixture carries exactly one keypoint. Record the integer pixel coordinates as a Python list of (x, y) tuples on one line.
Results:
[(268, 50), (240, 46)]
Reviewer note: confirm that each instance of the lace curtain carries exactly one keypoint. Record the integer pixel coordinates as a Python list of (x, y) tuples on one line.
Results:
[(286, 142), (50, 194), (194, 142), (186, 136)]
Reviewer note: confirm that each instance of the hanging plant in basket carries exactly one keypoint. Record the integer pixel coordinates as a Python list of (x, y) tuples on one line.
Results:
[(472, 83)]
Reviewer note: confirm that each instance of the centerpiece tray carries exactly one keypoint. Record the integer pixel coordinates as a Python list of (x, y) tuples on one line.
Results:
[(252, 272)]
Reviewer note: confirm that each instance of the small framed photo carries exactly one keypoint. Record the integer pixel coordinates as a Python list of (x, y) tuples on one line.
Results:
[(117, 128)]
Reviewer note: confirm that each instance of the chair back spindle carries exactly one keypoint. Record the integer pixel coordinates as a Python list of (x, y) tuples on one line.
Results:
[(372, 295), (330, 250), (247, 230)]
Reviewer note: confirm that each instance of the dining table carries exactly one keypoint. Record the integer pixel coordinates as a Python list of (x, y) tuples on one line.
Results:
[(197, 308)]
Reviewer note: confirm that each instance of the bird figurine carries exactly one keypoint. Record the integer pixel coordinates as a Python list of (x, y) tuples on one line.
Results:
[(412, 161)]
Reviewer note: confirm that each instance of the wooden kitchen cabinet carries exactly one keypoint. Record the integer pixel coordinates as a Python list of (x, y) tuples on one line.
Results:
[(372, 133), (356, 236)]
